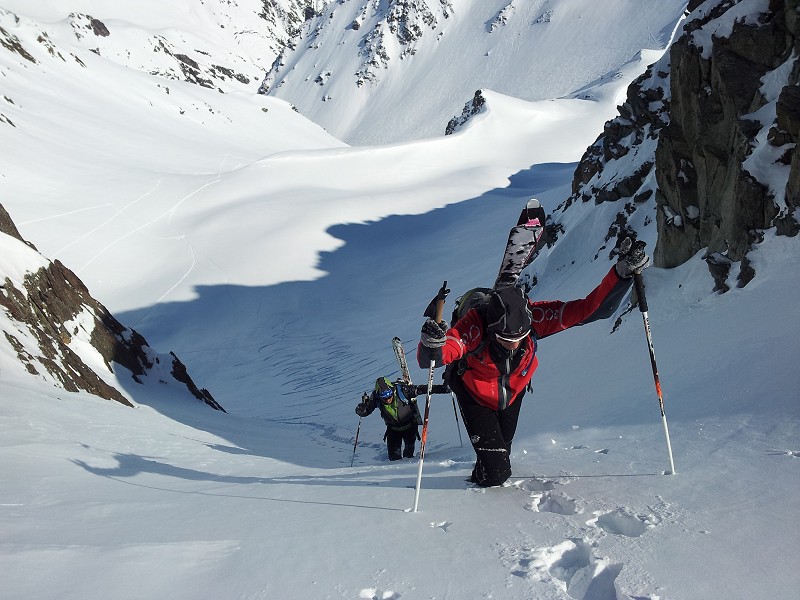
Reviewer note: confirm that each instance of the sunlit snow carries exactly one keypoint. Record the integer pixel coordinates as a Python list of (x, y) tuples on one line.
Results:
[(278, 262)]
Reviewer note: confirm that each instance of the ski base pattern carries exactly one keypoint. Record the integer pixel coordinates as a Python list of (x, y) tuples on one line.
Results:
[(524, 242)]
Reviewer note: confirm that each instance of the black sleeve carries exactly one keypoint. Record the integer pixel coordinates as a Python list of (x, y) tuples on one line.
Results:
[(438, 388)]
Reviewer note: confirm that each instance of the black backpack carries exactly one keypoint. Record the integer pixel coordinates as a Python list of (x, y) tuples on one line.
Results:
[(477, 298)]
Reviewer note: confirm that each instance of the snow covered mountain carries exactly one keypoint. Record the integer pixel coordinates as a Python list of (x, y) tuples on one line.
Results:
[(220, 45), (277, 262), (377, 72)]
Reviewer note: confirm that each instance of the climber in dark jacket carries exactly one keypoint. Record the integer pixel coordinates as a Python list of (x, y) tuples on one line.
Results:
[(493, 356), (398, 405)]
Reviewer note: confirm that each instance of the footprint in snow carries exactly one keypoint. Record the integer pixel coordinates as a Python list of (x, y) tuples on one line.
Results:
[(374, 594), (584, 447), (570, 566), (443, 525), (535, 485), (622, 522), (554, 502)]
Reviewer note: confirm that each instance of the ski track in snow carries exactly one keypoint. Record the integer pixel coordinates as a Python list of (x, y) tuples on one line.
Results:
[(790, 453), (117, 213)]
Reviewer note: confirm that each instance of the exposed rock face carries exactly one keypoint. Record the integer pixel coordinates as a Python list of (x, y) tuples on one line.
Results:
[(720, 201), (712, 130), (471, 108), (635, 131), (8, 227), (52, 307)]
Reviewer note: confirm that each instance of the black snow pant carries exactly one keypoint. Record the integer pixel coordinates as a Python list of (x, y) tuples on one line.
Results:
[(395, 439), (491, 433)]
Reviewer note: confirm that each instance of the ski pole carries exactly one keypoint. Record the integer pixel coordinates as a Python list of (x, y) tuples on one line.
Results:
[(439, 309), (356, 442), (638, 283), (358, 430), (455, 412)]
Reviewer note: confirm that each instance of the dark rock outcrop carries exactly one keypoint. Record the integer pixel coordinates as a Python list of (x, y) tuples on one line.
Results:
[(700, 159), (641, 117), (52, 306), (471, 108), (700, 130)]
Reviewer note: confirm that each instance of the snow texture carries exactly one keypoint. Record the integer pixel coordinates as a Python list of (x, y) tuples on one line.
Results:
[(278, 262)]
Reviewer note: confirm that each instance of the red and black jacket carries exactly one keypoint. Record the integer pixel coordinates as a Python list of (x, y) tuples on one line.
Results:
[(495, 382)]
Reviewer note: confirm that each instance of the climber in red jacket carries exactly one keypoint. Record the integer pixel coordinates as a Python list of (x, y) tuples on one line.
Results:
[(491, 353)]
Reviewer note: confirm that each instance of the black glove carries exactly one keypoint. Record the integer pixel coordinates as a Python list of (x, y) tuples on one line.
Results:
[(361, 409), (434, 334), (632, 258)]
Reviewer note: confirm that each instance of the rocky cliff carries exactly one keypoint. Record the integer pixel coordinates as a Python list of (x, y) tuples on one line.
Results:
[(51, 322), (712, 131)]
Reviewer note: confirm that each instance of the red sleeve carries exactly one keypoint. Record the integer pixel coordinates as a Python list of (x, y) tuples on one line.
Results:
[(464, 336), (552, 316)]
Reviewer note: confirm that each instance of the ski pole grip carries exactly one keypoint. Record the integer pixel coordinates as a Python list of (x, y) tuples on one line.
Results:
[(638, 283), (440, 297)]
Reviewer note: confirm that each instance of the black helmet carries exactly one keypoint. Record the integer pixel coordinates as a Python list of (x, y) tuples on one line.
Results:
[(508, 316)]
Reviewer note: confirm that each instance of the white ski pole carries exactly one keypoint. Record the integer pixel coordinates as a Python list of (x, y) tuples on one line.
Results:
[(638, 283), (439, 309)]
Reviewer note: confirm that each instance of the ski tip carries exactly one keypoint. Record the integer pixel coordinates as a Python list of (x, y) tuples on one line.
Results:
[(533, 211)]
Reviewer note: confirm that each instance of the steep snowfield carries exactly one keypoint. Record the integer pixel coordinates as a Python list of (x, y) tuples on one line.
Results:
[(278, 262), (155, 167), (166, 499)]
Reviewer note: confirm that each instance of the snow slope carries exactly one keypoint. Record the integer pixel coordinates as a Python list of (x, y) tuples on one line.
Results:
[(409, 67), (278, 263), (183, 158)]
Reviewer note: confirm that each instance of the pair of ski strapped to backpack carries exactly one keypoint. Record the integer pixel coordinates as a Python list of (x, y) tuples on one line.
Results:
[(525, 240)]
